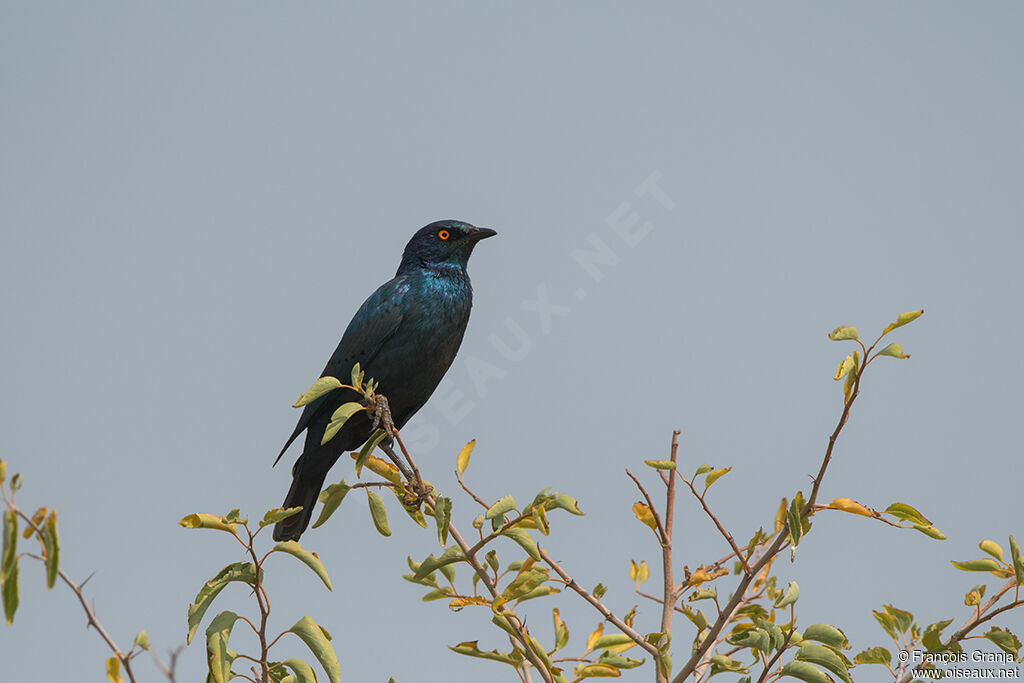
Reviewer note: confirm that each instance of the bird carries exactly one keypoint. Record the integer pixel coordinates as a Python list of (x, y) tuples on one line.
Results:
[(405, 336)]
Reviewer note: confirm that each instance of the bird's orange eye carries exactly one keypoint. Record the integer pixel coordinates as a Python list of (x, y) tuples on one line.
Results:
[(444, 234)]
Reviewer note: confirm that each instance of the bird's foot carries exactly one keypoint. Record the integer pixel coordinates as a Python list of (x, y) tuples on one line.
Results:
[(382, 415)]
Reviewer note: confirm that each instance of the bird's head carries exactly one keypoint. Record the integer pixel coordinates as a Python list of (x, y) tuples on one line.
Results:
[(443, 244)]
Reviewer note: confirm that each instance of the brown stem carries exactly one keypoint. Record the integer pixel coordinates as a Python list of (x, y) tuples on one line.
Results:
[(668, 585), (264, 604)]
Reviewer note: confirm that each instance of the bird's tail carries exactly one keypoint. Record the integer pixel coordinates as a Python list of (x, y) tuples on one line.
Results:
[(303, 492)]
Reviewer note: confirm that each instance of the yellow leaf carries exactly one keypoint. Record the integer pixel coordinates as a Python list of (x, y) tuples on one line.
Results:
[(458, 603), (114, 670), (844, 368), (903, 319), (700, 576), (715, 475), (462, 462), (384, 469), (644, 514), (852, 506), (780, 515), (593, 637)]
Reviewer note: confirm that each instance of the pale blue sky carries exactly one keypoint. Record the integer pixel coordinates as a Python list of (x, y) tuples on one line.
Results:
[(195, 198)]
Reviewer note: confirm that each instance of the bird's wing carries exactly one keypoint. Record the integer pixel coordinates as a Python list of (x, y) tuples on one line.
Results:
[(373, 325)]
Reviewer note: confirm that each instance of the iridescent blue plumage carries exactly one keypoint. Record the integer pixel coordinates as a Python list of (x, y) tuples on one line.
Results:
[(405, 336)]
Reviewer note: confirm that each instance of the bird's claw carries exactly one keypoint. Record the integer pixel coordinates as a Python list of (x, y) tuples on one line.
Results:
[(382, 415)]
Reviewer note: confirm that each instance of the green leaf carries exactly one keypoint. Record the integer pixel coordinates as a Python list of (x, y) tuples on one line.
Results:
[(462, 462), (202, 520), (378, 513), (431, 564), (9, 554), (756, 638), (789, 596), (992, 548), (321, 387), (492, 559), (528, 578), (357, 377), (565, 502), (805, 671), (894, 350), (443, 516), (339, 418), (887, 623), (471, 649), (843, 332), (541, 653), (618, 661), (793, 520), (931, 532), (612, 640), (714, 476), (702, 469), (1018, 561), (309, 559), (15, 482), (1004, 640), (302, 671), (932, 638), (873, 655), (277, 514), (244, 572), (331, 497), (367, 449), (824, 657), (522, 537), (902, 619), (828, 634), (660, 464), (318, 641), (906, 513), (9, 591), (218, 658), (141, 640), (505, 504), (983, 564), (902, 320), (3, 471)]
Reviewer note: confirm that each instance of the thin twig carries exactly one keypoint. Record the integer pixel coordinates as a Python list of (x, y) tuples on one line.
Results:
[(605, 612), (90, 613), (728, 537), (662, 538)]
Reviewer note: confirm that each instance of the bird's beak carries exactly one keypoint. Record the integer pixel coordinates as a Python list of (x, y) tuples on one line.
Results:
[(477, 234)]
